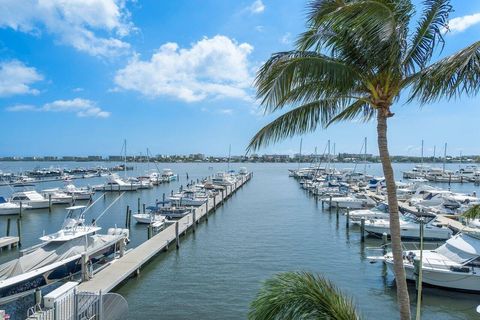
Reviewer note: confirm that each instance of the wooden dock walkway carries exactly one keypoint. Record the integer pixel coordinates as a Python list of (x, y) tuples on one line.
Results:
[(111, 276), (8, 242)]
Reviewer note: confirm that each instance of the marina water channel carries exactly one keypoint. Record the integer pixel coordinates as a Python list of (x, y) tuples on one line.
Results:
[(268, 226)]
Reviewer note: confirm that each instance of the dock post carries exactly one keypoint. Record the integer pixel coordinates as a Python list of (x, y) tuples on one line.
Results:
[(38, 296), (122, 248), (144, 208), (126, 217), (19, 232), (50, 203), (171, 193), (362, 229), (21, 207), (323, 204), (347, 222), (215, 202), (337, 210), (149, 232), (206, 207), (330, 204), (129, 218), (8, 227), (194, 223), (138, 205), (84, 261), (163, 199), (384, 242), (177, 235)]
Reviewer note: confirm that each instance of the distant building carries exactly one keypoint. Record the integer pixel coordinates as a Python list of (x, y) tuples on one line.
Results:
[(94, 158)]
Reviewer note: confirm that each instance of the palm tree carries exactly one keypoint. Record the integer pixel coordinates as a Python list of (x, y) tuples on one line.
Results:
[(353, 61), (301, 295), (472, 213)]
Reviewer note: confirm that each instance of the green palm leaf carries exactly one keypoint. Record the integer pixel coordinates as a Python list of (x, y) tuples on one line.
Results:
[(472, 213), (301, 295)]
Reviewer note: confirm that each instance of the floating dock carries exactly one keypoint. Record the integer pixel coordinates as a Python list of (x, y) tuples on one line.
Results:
[(110, 277), (8, 242)]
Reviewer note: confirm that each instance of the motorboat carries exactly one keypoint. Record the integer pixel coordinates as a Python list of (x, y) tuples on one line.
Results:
[(168, 175), (223, 179), (57, 196), (189, 198), (454, 265), (73, 226), (83, 193), (31, 198), (378, 212), (410, 227), (142, 182), (358, 201), (172, 212), (243, 171), (52, 261), (115, 183), (7, 207), (152, 216)]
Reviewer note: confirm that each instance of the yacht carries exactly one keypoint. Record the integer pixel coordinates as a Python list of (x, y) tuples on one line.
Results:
[(115, 183), (32, 199), (73, 226), (83, 193), (168, 175), (358, 201), (152, 216), (172, 212), (410, 227), (454, 265), (419, 171), (223, 179), (57, 196), (7, 207), (189, 198), (378, 212)]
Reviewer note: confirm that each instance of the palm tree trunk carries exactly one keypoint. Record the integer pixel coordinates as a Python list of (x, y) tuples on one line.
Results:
[(402, 290)]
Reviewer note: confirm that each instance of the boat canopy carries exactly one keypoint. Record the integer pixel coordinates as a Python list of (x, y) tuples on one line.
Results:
[(461, 248)]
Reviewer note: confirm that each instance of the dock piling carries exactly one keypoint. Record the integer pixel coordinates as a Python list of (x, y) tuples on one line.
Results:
[(8, 227), (347, 222), (177, 235), (362, 229), (138, 205), (19, 232), (21, 207), (330, 204), (194, 222), (144, 208), (38, 296), (126, 217), (50, 203), (384, 242)]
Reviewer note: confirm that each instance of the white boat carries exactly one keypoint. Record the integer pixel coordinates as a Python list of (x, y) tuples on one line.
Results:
[(73, 226), (115, 183), (31, 198), (223, 179), (150, 217), (57, 196), (358, 201), (168, 175), (454, 265), (189, 198), (410, 227), (378, 212), (173, 212), (83, 193), (7, 207), (243, 171)]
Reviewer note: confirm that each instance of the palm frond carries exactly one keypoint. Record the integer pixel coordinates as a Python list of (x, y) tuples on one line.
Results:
[(300, 120), (448, 78), (285, 72), (301, 295), (472, 213), (428, 34), (359, 109)]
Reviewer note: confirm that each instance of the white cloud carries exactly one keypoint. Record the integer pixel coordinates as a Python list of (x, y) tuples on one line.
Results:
[(16, 78), (225, 111), (286, 38), (73, 22), (460, 24), (256, 7), (81, 107), (78, 89), (212, 67)]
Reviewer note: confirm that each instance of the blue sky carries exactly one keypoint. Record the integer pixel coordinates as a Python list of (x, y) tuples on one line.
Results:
[(77, 77)]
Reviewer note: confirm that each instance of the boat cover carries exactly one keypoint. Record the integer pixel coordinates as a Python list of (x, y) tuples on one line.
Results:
[(52, 252), (461, 248), (2, 200)]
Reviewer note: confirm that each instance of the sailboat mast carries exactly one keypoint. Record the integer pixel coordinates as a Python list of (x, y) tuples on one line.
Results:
[(125, 164), (421, 159), (328, 166), (300, 154), (229, 151), (444, 157), (365, 158)]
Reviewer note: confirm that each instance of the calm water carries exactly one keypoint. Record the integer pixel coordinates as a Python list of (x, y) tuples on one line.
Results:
[(269, 226)]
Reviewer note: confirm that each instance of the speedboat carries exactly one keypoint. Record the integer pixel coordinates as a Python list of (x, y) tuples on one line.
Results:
[(57, 196), (83, 193), (152, 216), (410, 227), (378, 212), (172, 212), (73, 226), (223, 179), (115, 183), (32, 199), (168, 175), (7, 207), (358, 201), (454, 265), (189, 198)]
